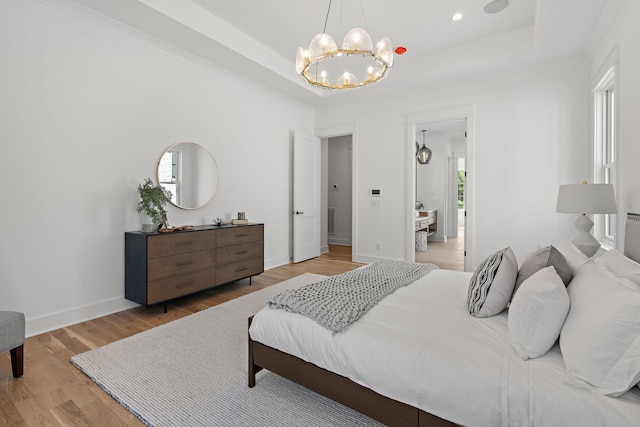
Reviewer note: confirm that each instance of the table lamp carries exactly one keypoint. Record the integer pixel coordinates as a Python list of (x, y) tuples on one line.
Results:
[(586, 199)]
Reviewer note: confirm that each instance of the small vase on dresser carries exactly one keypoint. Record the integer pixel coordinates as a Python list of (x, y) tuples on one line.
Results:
[(147, 225)]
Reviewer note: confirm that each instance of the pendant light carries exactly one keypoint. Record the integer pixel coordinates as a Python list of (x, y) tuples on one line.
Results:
[(424, 153)]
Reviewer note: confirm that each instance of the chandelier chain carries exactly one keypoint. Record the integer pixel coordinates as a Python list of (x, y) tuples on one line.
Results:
[(364, 16), (324, 29)]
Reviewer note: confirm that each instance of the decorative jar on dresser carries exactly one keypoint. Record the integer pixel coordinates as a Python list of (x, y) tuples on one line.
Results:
[(163, 266)]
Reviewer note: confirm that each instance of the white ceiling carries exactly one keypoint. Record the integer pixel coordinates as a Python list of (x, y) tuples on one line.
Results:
[(258, 38)]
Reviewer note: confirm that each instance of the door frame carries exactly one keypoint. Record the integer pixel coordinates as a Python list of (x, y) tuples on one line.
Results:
[(348, 129), (413, 120)]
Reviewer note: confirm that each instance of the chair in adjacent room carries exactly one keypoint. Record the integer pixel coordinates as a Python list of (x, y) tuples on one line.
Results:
[(12, 339)]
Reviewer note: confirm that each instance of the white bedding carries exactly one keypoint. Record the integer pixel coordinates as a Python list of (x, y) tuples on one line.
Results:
[(421, 347)]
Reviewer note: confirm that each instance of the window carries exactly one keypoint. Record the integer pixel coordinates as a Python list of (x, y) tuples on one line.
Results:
[(605, 149), (461, 175), (168, 173)]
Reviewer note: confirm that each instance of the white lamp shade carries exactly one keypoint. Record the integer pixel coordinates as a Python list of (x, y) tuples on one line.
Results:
[(347, 79), (586, 199), (357, 39), (321, 45), (384, 52), (301, 60)]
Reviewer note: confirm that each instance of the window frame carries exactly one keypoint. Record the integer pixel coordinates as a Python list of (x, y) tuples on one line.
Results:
[(176, 174), (605, 95)]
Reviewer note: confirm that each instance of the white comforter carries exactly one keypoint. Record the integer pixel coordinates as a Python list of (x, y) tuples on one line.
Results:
[(421, 347)]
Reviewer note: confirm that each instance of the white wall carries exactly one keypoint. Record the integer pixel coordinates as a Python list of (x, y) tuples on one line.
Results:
[(531, 134), (87, 109), (625, 36)]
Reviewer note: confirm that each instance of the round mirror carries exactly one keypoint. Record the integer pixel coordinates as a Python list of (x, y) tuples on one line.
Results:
[(190, 173)]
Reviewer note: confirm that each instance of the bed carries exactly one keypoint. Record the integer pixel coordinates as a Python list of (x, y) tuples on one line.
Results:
[(418, 358)]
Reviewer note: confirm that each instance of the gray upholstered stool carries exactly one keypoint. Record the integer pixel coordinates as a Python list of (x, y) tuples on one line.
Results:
[(12, 338)]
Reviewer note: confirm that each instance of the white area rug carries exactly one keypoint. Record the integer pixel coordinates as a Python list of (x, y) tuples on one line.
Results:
[(193, 372)]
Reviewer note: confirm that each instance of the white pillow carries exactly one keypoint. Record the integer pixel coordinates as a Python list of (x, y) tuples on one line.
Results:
[(620, 265), (537, 313), (575, 257), (491, 286), (600, 339)]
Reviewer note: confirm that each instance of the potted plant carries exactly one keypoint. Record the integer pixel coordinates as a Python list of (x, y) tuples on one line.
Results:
[(152, 201)]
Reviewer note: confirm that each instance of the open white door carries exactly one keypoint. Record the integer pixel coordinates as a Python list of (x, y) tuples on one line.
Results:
[(306, 196)]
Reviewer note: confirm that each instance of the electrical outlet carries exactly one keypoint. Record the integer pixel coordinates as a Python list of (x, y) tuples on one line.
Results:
[(378, 246)]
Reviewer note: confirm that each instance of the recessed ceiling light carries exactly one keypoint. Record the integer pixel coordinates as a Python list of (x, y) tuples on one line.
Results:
[(456, 16), (496, 6)]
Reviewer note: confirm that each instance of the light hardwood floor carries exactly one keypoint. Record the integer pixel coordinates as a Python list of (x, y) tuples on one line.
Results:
[(52, 392), (448, 255)]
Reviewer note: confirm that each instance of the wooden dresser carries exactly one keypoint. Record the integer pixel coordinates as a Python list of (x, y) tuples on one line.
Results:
[(160, 267)]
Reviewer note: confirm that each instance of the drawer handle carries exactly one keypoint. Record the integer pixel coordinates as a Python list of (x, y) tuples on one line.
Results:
[(182, 264), (241, 252), (241, 235), (184, 284), (184, 243), (238, 270)]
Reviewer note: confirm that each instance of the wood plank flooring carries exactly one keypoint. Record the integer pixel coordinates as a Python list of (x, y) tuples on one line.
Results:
[(448, 255), (52, 392)]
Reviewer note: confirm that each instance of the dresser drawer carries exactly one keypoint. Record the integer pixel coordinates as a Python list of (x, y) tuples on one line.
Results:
[(175, 265), (239, 270), (237, 235), (237, 253), (172, 287), (432, 215), (171, 244)]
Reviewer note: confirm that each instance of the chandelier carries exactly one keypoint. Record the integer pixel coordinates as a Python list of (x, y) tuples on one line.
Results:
[(326, 65)]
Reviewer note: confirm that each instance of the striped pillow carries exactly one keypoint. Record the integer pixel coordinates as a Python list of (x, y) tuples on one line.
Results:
[(540, 259), (491, 286)]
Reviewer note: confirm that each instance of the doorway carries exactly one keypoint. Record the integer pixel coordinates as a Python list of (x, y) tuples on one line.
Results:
[(338, 231), (339, 191), (440, 193)]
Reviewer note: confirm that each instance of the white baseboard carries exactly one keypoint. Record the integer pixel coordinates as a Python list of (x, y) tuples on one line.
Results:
[(61, 319), (276, 262), (324, 249), (340, 242)]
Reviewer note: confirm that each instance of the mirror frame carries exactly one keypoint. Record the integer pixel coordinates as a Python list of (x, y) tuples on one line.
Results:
[(216, 172)]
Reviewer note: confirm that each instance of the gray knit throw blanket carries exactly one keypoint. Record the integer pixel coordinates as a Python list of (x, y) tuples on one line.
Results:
[(338, 301)]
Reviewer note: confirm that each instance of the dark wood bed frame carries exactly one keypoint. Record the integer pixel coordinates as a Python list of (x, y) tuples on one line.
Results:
[(338, 388)]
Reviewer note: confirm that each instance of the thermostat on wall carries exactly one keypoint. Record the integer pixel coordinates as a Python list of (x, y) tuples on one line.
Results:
[(375, 193)]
